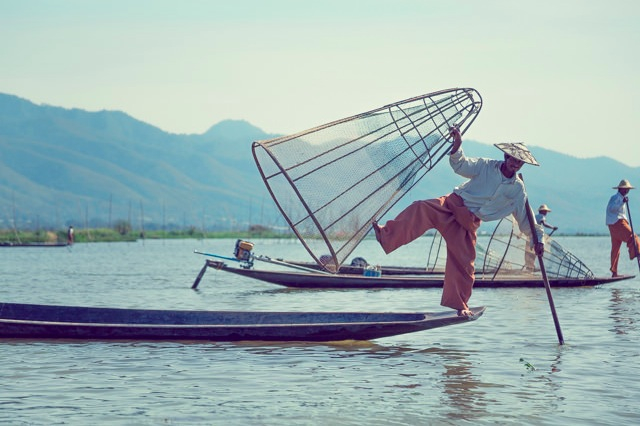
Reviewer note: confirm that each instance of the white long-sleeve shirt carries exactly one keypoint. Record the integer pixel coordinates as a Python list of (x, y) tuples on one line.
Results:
[(489, 194), (541, 219), (616, 209)]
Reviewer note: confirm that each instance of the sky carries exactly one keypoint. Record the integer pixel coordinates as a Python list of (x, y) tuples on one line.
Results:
[(562, 75)]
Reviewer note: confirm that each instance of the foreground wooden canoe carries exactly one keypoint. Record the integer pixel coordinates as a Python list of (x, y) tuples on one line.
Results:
[(322, 280), (28, 321)]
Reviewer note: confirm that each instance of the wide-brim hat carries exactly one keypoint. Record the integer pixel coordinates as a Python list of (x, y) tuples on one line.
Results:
[(544, 208), (517, 150), (624, 184)]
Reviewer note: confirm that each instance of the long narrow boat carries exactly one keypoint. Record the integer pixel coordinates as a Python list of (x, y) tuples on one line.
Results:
[(303, 279), (43, 244), (505, 262), (27, 321)]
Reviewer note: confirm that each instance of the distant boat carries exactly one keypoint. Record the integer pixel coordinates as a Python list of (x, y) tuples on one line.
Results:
[(42, 244), (26, 321)]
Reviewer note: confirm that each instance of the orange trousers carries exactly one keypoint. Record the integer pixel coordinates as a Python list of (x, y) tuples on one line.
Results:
[(458, 227), (621, 233)]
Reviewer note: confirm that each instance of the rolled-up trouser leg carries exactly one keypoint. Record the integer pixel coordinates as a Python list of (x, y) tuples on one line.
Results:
[(621, 233), (458, 227), (414, 221), (459, 274), (615, 250)]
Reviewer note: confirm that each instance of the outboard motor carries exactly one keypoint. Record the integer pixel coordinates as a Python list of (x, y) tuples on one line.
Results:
[(242, 251)]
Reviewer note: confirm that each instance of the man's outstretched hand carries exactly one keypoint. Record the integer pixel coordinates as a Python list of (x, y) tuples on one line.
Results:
[(455, 134)]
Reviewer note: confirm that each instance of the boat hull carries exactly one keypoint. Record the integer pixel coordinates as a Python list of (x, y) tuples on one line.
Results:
[(28, 321), (322, 280)]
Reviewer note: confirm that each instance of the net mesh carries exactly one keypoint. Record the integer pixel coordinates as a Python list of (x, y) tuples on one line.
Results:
[(332, 181), (507, 253)]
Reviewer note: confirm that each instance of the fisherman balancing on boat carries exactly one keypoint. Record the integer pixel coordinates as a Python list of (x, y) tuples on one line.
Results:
[(492, 192), (619, 227)]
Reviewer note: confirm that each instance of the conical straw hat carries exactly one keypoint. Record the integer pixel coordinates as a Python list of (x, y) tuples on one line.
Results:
[(624, 184), (517, 150), (544, 208)]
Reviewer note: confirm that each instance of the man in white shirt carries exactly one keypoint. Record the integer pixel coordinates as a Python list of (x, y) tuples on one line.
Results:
[(492, 192), (70, 236), (541, 217), (619, 227)]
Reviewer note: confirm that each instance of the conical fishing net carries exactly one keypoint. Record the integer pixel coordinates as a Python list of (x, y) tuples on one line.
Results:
[(509, 252), (332, 181), (506, 252)]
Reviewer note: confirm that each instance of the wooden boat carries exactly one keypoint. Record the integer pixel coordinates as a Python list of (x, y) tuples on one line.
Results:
[(304, 279), (27, 321), (504, 263), (44, 244), (360, 270)]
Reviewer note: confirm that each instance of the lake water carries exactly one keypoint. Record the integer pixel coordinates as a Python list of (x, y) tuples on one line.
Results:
[(504, 368)]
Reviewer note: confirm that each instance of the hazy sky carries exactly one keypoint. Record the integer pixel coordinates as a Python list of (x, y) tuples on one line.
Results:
[(563, 75)]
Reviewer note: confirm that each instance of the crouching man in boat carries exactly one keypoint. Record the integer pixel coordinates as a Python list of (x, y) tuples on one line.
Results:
[(619, 227), (492, 192)]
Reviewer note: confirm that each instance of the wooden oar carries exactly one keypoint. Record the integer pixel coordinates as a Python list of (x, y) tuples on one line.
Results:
[(633, 233), (534, 237)]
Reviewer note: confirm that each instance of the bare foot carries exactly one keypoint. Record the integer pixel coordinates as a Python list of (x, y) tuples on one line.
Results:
[(465, 313)]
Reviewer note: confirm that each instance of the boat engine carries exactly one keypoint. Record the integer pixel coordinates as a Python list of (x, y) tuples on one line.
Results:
[(242, 251)]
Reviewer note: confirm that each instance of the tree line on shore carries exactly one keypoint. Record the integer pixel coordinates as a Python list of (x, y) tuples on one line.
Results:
[(123, 234)]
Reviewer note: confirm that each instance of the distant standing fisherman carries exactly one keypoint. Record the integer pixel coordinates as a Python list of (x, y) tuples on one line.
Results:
[(619, 227), (70, 235), (541, 217)]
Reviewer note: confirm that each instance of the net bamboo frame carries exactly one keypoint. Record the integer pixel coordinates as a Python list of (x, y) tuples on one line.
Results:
[(330, 182)]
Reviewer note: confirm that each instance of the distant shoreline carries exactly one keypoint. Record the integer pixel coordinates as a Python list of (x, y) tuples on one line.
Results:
[(96, 235)]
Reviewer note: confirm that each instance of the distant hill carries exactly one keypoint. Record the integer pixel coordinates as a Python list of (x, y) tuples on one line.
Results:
[(61, 166), (68, 166)]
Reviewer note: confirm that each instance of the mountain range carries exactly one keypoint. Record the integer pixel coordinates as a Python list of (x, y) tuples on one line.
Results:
[(61, 167)]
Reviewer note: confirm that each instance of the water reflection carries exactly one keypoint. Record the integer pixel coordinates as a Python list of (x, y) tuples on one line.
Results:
[(624, 310), (462, 390), (549, 393), (406, 372)]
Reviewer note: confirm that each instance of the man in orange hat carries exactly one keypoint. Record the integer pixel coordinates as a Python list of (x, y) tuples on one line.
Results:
[(492, 192), (619, 227)]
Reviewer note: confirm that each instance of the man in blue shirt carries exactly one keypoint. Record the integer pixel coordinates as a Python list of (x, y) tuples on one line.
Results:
[(619, 227)]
